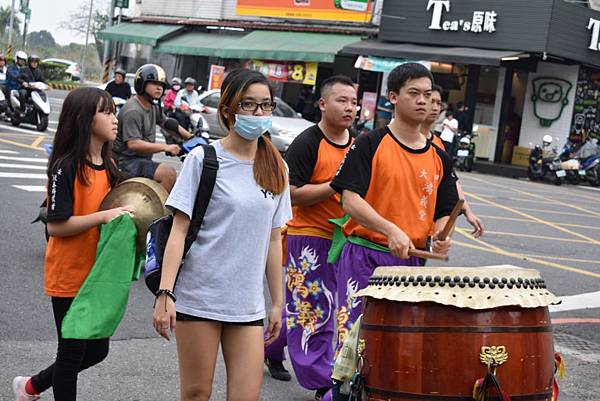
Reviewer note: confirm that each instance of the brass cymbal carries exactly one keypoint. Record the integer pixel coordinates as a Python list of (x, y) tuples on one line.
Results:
[(147, 198)]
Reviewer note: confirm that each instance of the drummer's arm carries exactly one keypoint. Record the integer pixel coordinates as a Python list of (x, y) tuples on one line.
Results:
[(364, 214)]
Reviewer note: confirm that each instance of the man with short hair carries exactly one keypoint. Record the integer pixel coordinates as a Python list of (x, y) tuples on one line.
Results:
[(313, 159), (136, 136), (435, 107), (449, 131), (118, 87), (397, 189)]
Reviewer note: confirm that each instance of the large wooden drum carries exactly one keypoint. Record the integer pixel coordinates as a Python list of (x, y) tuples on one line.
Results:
[(430, 333)]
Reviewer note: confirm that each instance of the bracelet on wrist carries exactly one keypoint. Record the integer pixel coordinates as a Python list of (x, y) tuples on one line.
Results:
[(166, 292)]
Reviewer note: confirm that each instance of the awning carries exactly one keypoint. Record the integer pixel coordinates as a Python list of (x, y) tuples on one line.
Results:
[(146, 34), (463, 55), (292, 46), (196, 43)]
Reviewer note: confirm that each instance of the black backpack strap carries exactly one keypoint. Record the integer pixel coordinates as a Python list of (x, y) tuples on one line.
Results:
[(210, 165)]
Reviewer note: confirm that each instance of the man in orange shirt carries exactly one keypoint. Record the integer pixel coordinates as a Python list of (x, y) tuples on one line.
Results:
[(398, 190), (435, 107), (313, 159)]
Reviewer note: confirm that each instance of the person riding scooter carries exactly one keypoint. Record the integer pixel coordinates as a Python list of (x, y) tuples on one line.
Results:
[(118, 87), (169, 100), (14, 72), (186, 99), (28, 75)]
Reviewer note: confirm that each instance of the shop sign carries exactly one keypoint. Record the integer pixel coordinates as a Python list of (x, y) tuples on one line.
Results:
[(594, 26), (328, 10), (481, 21), (217, 74), (299, 72)]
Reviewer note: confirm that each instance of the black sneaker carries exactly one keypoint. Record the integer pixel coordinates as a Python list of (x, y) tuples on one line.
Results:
[(321, 393), (277, 370)]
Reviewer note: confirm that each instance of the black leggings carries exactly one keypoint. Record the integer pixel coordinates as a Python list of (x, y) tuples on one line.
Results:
[(72, 357)]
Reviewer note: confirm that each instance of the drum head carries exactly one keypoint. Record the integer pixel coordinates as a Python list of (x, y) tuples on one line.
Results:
[(145, 196)]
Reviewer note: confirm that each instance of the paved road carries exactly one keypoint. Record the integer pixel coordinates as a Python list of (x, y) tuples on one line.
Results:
[(553, 229)]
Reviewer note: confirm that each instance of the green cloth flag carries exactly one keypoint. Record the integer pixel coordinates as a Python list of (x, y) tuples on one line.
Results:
[(101, 301)]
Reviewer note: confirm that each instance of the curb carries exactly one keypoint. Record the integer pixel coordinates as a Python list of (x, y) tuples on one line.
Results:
[(63, 86)]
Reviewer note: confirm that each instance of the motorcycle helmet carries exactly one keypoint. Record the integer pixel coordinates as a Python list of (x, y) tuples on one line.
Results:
[(547, 140), (465, 141), (176, 81), (2, 56), (21, 55), (32, 58), (149, 73), (121, 71), (190, 80)]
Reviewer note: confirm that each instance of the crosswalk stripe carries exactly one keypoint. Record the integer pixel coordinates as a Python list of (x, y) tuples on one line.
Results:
[(580, 301), (25, 159), (24, 175), (8, 152), (23, 166), (31, 188)]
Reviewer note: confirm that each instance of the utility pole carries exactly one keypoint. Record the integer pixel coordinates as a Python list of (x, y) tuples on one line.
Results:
[(87, 38), (27, 13), (107, 44), (10, 25)]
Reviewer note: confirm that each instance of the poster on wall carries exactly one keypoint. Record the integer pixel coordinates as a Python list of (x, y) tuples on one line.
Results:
[(367, 111), (328, 10), (281, 71), (586, 116), (217, 74)]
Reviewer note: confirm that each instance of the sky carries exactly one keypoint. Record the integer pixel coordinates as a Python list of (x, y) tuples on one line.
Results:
[(48, 14)]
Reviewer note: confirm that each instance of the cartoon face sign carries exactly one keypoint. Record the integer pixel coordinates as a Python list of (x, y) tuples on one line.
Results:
[(550, 96)]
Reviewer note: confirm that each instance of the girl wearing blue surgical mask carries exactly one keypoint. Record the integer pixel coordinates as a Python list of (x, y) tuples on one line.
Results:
[(217, 298)]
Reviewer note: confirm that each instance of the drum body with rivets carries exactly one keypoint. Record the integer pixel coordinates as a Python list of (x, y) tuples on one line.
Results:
[(430, 333)]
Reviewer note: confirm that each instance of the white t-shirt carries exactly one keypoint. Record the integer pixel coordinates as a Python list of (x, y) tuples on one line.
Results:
[(222, 275), (447, 134)]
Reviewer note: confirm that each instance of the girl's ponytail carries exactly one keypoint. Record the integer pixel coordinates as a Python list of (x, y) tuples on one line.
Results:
[(270, 171)]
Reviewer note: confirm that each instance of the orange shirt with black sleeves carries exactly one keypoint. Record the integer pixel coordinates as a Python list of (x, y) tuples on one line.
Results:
[(70, 259), (437, 141), (411, 188), (313, 159)]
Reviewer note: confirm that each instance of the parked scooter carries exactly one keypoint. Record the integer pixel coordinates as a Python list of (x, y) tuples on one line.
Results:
[(589, 159), (465, 154), (36, 110), (547, 165), (570, 163)]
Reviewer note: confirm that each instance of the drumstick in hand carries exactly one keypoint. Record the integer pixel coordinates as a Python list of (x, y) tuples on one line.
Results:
[(452, 220)]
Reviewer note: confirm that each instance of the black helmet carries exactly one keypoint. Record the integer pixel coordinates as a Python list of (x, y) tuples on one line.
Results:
[(121, 72), (32, 58), (190, 80), (149, 73)]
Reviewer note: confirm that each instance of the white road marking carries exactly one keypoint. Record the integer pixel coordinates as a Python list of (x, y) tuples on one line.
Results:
[(24, 175), (24, 159), (590, 188), (8, 152), (31, 188), (23, 166), (31, 131), (575, 302)]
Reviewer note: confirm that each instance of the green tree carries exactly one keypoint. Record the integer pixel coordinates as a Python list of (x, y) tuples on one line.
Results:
[(5, 23), (42, 39), (78, 20)]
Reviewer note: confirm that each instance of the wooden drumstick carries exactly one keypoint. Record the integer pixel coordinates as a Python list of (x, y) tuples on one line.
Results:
[(427, 255), (452, 220)]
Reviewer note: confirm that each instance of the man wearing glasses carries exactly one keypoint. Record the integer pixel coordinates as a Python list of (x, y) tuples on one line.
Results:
[(313, 159)]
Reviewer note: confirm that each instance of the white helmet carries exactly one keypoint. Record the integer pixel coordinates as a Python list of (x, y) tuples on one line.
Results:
[(547, 140), (21, 55), (465, 140)]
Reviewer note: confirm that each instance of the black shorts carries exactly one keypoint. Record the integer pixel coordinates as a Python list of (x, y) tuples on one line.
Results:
[(139, 167), (183, 317)]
